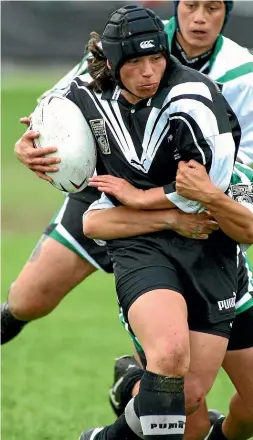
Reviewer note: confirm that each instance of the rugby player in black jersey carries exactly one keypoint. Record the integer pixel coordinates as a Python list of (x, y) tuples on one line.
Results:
[(152, 112), (53, 300)]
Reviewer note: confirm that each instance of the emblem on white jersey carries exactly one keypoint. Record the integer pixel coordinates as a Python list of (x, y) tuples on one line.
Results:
[(242, 192), (147, 44), (99, 131)]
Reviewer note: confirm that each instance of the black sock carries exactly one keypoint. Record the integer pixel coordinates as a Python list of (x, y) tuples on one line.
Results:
[(10, 326), (216, 433), (126, 427), (162, 407), (132, 376), (120, 430)]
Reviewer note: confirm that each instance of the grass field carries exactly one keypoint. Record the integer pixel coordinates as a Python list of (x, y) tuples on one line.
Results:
[(56, 374)]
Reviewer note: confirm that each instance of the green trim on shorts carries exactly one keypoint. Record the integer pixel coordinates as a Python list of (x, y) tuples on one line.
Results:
[(126, 327), (58, 237), (52, 221), (60, 234), (244, 307)]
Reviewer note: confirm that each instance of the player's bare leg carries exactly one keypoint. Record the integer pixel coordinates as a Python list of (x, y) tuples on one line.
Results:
[(197, 424), (198, 382), (238, 425), (50, 274)]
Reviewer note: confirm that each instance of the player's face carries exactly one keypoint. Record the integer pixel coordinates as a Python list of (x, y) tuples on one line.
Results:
[(142, 75), (200, 23)]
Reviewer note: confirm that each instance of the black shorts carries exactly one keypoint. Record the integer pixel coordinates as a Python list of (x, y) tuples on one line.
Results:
[(204, 272), (242, 331), (66, 227)]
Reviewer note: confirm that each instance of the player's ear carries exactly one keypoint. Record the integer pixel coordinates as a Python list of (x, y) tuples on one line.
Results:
[(108, 64)]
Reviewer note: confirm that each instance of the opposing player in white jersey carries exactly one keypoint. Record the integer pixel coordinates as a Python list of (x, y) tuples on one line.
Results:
[(195, 39)]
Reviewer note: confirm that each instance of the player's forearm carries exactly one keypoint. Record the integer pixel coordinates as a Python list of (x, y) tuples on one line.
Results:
[(155, 198), (233, 218), (123, 222)]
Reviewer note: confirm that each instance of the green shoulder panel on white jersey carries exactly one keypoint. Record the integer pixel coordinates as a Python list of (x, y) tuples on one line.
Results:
[(232, 68), (62, 86), (242, 174)]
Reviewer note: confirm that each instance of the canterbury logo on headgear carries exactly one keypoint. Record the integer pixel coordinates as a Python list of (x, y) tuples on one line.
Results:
[(147, 44)]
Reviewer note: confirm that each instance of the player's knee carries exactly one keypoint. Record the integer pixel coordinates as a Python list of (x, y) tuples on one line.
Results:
[(169, 359), (27, 305), (194, 401), (194, 395)]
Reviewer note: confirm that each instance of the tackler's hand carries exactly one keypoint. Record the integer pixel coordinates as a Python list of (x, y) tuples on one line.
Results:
[(126, 193), (193, 182)]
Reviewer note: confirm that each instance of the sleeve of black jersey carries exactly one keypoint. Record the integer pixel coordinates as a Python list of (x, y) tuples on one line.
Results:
[(201, 130), (74, 94)]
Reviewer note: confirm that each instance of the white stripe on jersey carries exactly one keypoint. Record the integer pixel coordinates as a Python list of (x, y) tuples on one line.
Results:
[(202, 115), (153, 138), (189, 88), (129, 151), (222, 160)]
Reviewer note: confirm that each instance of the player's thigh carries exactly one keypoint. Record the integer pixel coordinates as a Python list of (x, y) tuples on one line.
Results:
[(158, 314), (238, 362), (50, 273), (62, 259), (159, 319), (207, 353), (150, 298)]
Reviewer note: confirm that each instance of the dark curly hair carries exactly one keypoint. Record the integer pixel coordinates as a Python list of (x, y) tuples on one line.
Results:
[(97, 65)]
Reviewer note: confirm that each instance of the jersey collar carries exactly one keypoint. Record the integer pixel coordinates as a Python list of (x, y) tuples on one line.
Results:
[(112, 94)]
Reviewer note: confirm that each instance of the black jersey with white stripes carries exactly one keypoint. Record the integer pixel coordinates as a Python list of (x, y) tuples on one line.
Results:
[(186, 119)]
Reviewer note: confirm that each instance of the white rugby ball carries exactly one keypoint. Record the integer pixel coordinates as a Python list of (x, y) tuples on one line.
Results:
[(61, 124)]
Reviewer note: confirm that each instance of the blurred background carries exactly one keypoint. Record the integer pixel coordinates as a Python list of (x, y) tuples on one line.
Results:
[(56, 374), (54, 32)]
